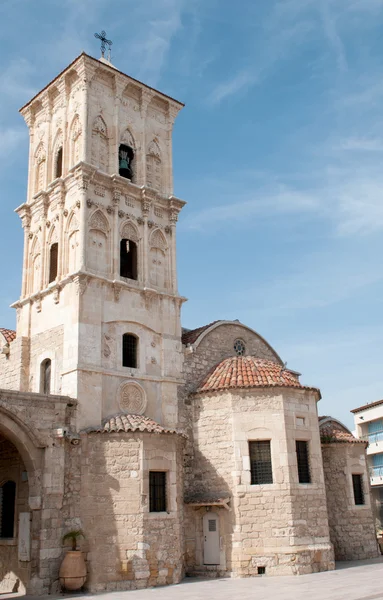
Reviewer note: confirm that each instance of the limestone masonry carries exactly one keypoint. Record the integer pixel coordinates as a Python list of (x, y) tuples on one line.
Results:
[(176, 452)]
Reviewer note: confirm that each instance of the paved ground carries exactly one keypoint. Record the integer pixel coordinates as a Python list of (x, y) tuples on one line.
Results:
[(361, 580)]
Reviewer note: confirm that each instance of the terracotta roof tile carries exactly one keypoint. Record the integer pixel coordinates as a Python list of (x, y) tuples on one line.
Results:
[(9, 334), (331, 431), (189, 336), (248, 372), (125, 422)]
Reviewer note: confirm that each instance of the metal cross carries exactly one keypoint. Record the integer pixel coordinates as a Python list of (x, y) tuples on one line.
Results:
[(102, 36)]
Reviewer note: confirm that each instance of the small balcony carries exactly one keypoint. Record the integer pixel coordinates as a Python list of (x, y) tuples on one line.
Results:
[(375, 442), (376, 476)]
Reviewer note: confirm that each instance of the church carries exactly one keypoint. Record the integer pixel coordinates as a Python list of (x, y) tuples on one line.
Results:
[(177, 452)]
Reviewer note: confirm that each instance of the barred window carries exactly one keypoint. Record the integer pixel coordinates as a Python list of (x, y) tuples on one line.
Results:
[(157, 491), (302, 449), (7, 509), (357, 484), (260, 462), (129, 351)]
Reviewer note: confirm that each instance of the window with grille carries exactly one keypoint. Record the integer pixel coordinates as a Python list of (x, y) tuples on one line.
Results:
[(129, 350), (53, 258), (128, 259), (45, 376), (302, 449), (357, 484), (157, 491), (7, 509), (260, 462)]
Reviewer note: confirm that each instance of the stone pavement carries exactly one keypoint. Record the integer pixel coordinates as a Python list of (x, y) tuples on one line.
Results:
[(359, 580)]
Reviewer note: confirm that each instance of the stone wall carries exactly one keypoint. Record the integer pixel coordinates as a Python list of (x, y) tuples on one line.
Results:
[(14, 367), (127, 546), (352, 529), (281, 526)]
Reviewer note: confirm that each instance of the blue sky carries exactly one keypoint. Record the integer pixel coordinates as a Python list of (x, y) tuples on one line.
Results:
[(279, 154)]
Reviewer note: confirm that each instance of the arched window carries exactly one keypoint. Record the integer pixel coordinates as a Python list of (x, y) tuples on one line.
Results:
[(7, 509), (129, 350), (128, 259), (59, 163), (125, 161), (53, 261), (45, 376)]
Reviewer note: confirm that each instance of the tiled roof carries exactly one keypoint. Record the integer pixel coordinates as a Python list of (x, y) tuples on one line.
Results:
[(332, 431), (189, 336), (366, 406), (248, 372), (9, 334), (125, 423)]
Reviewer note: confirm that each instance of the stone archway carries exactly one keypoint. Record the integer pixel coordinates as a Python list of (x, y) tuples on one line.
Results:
[(21, 462)]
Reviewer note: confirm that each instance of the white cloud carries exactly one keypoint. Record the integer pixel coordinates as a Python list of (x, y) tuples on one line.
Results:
[(10, 140), (240, 82)]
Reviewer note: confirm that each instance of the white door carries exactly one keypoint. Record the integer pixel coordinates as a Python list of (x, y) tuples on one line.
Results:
[(211, 539)]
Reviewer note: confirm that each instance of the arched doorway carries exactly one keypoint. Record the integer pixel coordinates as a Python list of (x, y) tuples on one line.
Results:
[(20, 474)]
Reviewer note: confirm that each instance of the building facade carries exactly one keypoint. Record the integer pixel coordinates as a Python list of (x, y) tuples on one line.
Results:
[(174, 451), (368, 421)]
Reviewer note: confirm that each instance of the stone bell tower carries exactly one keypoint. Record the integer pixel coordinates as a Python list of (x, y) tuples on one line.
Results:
[(99, 310)]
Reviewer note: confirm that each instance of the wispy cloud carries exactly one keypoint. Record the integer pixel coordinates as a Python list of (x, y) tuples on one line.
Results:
[(331, 33), (240, 82)]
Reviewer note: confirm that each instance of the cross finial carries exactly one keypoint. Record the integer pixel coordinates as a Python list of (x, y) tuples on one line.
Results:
[(104, 41)]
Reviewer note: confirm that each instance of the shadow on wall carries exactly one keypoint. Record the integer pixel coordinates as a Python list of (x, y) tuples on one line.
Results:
[(14, 495)]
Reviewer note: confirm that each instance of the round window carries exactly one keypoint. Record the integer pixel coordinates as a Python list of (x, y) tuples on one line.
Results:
[(239, 347)]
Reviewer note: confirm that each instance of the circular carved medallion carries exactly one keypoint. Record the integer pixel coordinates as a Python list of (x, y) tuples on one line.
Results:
[(132, 398)]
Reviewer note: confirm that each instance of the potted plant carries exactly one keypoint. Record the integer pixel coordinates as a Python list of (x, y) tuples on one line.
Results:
[(73, 568)]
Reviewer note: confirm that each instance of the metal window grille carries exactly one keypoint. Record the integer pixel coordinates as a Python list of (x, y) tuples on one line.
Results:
[(260, 462), (53, 261), (7, 507), (129, 351), (157, 491), (357, 484), (302, 449)]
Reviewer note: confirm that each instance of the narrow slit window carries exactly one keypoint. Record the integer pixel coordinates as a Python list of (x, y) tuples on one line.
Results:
[(302, 449), (260, 462), (59, 163), (157, 491), (7, 509), (46, 371), (129, 351), (128, 259), (357, 484), (53, 261)]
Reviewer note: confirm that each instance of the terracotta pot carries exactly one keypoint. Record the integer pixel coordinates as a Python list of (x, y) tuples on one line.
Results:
[(73, 571)]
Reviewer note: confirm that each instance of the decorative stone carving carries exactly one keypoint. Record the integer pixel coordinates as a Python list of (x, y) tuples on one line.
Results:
[(110, 210), (121, 214), (128, 139), (129, 232), (65, 213), (100, 150), (99, 221), (89, 203), (132, 398), (117, 291), (99, 190), (106, 350), (157, 240), (56, 295)]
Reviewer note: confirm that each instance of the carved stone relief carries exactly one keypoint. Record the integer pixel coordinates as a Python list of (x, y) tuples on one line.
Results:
[(132, 398)]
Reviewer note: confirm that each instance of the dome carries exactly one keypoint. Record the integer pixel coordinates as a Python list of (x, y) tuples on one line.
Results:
[(249, 372)]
